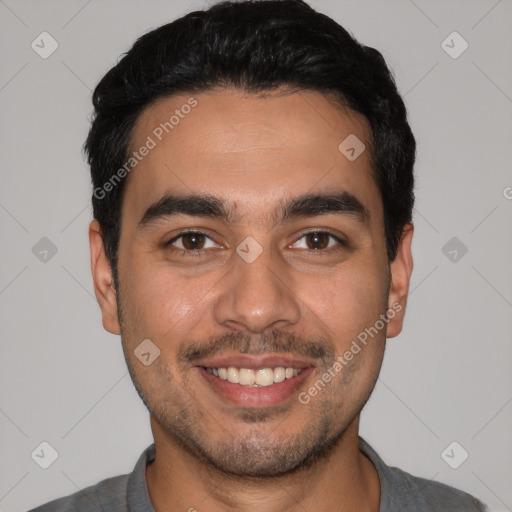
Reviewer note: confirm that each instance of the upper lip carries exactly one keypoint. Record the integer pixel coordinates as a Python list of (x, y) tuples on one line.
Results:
[(254, 362)]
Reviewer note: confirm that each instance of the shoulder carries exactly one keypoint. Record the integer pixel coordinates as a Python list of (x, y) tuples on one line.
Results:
[(401, 491), (419, 494), (109, 494)]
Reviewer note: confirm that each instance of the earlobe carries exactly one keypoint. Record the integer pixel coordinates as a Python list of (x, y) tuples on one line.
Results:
[(400, 276), (103, 280)]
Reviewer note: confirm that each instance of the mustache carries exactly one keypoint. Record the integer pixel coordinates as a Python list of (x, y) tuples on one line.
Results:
[(317, 348)]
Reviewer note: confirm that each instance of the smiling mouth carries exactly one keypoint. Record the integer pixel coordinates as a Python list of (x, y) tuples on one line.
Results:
[(254, 378)]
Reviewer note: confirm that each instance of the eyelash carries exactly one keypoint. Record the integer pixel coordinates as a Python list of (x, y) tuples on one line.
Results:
[(195, 253)]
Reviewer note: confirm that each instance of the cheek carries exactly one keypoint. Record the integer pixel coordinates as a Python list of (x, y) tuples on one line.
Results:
[(158, 303), (347, 301)]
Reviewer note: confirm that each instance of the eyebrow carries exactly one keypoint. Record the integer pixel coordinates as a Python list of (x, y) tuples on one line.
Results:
[(213, 207)]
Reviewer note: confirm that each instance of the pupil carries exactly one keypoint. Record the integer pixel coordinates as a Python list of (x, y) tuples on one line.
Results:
[(193, 240), (319, 239)]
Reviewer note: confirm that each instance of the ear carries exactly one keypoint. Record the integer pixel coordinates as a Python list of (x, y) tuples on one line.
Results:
[(400, 276), (103, 280)]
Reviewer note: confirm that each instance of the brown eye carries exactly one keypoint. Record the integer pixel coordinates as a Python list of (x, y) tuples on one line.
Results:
[(190, 241), (193, 241), (319, 241)]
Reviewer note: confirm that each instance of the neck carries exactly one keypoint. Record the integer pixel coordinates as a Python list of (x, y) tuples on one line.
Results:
[(345, 480)]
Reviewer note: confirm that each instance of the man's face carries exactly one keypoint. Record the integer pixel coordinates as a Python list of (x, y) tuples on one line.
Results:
[(258, 288)]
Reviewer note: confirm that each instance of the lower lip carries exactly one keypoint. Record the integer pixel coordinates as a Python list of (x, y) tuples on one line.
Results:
[(264, 396)]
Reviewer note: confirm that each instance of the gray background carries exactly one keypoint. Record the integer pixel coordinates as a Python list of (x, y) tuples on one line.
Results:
[(447, 377)]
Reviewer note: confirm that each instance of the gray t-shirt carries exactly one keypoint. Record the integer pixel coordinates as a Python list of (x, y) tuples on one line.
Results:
[(400, 492)]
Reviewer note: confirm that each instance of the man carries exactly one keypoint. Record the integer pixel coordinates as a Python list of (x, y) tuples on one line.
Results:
[(253, 188)]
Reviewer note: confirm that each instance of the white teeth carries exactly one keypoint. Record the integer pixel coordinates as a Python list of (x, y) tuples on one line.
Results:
[(265, 377), (279, 374), (233, 375), (254, 378), (247, 377)]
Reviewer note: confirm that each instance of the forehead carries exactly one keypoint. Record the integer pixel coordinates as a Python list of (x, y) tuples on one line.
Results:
[(251, 149)]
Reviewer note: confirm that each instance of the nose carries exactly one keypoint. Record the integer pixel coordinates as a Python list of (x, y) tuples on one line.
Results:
[(258, 295)]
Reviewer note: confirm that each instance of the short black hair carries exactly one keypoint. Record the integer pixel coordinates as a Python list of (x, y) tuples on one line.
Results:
[(254, 46)]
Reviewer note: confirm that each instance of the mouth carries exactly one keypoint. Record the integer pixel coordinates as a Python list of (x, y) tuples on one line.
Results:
[(255, 382), (260, 377)]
